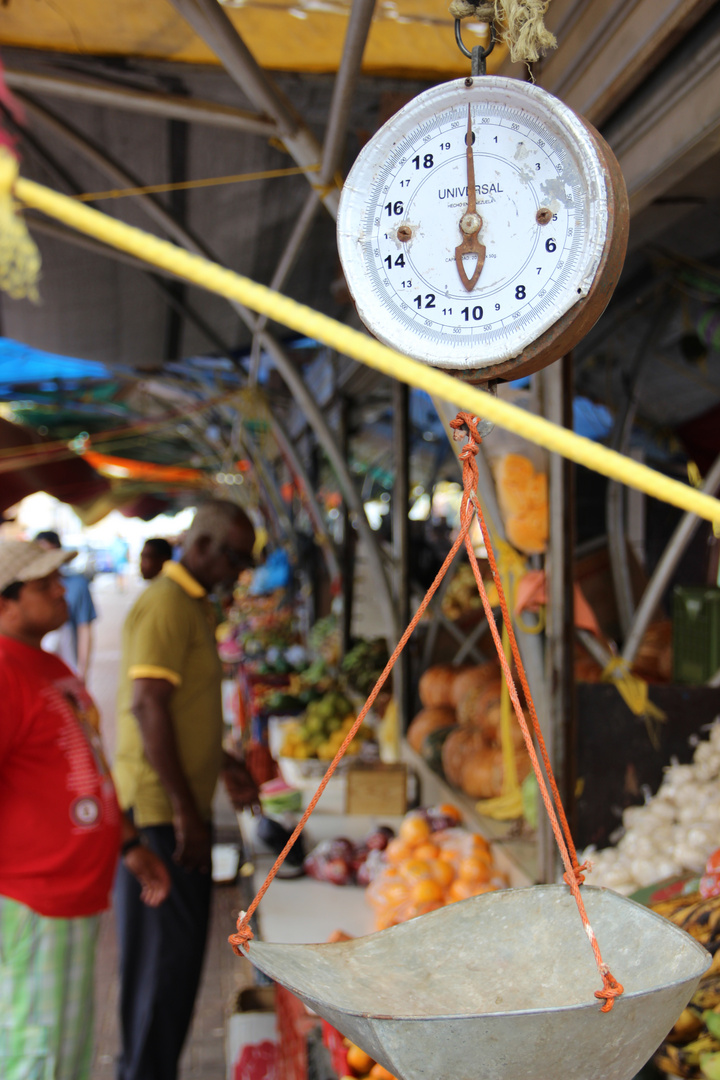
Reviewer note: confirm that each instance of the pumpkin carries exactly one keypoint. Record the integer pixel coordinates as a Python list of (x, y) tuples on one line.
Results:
[(491, 727), (481, 776), (482, 772), (435, 685), (472, 678), (457, 746), (428, 720), (471, 709)]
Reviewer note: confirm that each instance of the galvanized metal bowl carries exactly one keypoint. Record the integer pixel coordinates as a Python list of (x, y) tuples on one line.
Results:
[(501, 987)]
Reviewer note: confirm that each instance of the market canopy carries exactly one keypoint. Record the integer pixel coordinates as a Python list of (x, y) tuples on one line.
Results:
[(22, 365), (407, 38)]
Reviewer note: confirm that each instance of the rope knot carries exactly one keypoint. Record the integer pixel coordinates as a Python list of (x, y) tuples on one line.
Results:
[(611, 990), (470, 422), (578, 874), (243, 937)]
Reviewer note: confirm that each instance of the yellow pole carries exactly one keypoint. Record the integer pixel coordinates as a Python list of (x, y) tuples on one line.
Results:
[(208, 275)]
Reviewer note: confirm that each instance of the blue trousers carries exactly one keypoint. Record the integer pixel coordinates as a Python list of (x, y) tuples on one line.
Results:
[(161, 956)]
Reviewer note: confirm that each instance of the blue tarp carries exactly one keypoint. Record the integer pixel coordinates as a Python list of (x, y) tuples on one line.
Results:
[(20, 364)]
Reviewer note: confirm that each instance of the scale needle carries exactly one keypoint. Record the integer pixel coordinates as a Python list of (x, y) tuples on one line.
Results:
[(470, 222)]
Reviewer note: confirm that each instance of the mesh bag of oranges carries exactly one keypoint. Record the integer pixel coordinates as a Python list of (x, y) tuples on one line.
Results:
[(432, 862)]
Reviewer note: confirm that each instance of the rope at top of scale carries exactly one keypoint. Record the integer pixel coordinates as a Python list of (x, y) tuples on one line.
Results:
[(521, 24)]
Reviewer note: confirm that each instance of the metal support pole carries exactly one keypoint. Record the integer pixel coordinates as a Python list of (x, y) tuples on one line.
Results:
[(299, 390), (348, 542), (298, 236), (558, 729), (335, 133), (401, 541), (268, 481), (212, 24), (674, 551), (615, 513), (105, 164), (284, 364), (360, 18), (167, 106), (308, 495)]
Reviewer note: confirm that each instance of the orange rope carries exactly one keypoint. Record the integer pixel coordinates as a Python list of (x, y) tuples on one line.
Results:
[(463, 424), (244, 933), (464, 420)]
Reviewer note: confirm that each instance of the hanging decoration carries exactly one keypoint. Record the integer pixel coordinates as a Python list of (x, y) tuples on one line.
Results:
[(19, 256)]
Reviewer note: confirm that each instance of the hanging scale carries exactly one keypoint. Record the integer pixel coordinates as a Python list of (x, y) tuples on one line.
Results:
[(483, 228)]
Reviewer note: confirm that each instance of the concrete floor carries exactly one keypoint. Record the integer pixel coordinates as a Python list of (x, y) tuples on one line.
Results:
[(224, 974)]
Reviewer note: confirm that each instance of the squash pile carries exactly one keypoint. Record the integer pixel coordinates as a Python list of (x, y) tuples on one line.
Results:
[(458, 729)]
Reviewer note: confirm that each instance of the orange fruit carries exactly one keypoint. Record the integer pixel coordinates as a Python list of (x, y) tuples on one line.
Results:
[(463, 890), (427, 851), (385, 919), (397, 851), (396, 893), (479, 842), (414, 830), (472, 868), (425, 892), (460, 890), (447, 854), (415, 869), (379, 1073), (358, 1060), (450, 811), (414, 910), (442, 872)]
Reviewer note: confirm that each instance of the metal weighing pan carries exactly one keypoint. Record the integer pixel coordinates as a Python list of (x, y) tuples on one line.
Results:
[(501, 987)]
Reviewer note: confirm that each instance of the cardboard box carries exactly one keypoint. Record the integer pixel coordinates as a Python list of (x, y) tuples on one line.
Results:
[(251, 1040), (376, 789)]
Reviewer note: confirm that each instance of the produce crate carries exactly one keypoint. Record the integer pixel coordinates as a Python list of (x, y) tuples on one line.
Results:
[(696, 633), (376, 789)]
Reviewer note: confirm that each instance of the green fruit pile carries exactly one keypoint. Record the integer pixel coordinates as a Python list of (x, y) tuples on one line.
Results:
[(364, 663), (322, 729)]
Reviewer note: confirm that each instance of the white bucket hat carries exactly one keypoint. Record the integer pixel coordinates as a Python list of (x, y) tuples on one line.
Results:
[(24, 560)]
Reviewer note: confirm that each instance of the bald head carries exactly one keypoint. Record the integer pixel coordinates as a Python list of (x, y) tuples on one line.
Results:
[(219, 543)]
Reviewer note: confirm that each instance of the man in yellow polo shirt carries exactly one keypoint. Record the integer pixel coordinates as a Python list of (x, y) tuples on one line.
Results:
[(168, 759)]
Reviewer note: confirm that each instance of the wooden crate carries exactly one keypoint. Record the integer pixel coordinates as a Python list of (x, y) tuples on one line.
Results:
[(376, 789)]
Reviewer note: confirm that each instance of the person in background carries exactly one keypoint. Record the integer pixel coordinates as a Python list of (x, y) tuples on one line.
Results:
[(61, 829), (168, 759), (73, 641), (120, 552), (155, 553)]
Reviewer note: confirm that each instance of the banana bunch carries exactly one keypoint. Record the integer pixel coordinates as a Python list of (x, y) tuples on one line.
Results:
[(692, 1048)]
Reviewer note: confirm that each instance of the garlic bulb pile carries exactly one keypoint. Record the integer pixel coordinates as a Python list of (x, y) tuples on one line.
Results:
[(674, 832)]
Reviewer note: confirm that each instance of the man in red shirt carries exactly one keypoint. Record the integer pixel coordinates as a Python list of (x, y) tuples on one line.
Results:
[(61, 831)]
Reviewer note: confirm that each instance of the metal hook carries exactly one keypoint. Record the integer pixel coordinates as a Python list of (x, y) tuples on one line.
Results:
[(478, 56)]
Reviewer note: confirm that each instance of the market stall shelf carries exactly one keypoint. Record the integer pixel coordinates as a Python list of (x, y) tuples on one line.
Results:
[(500, 985)]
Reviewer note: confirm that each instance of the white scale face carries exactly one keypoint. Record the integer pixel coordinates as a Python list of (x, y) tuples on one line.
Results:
[(536, 227)]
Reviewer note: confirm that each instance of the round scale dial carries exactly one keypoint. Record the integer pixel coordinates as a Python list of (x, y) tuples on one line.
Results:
[(475, 222)]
